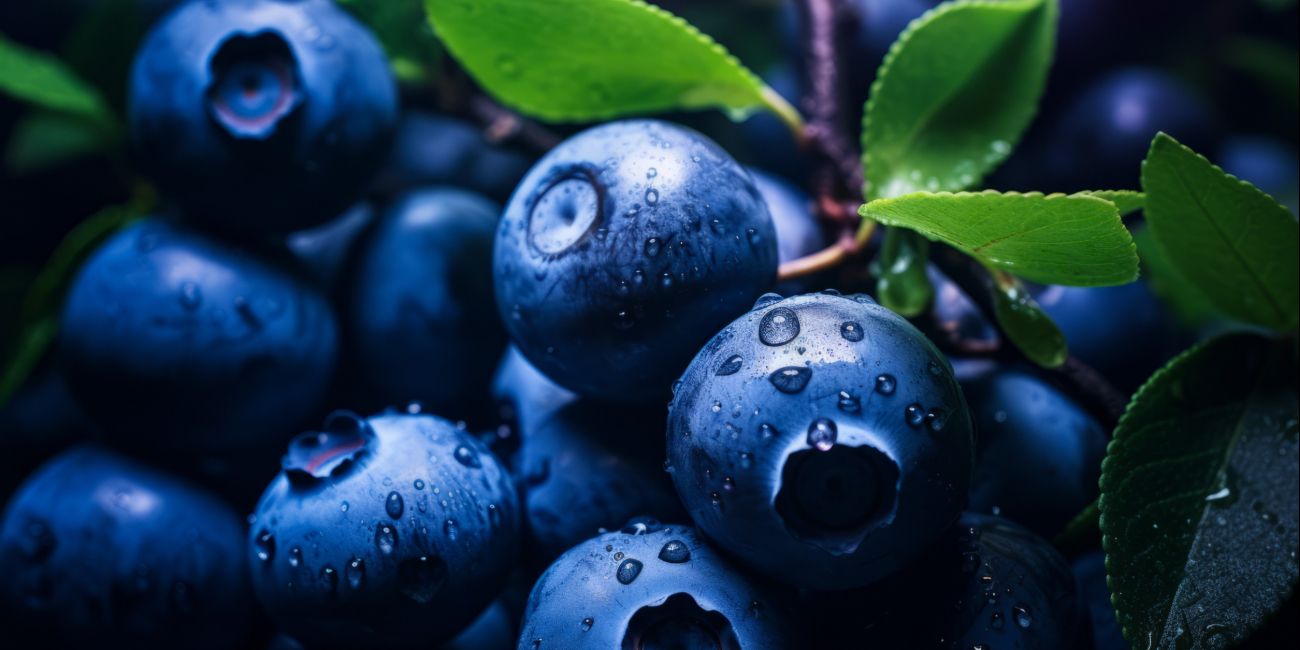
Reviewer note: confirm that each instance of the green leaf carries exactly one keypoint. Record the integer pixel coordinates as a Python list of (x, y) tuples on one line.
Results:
[(576, 60), (42, 80), (1199, 496), (1126, 201), (955, 93), (44, 139), (1235, 243), (38, 317), (401, 27), (1055, 239), (1026, 324), (1081, 532), (1188, 303), (901, 282)]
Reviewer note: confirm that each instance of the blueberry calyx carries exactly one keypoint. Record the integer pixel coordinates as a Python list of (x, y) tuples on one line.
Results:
[(254, 85), (331, 452), (679, 622), (833, 495)]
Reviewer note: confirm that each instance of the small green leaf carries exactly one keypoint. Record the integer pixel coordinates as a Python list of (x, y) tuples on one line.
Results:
[(1126, 201), (1081, 532), (1026, 324), (955, 93), (1235, 243), (901, 282), (1199, 496), (44, 139), (576, 60), (40, 79), (1188, 303), (1055, 239)]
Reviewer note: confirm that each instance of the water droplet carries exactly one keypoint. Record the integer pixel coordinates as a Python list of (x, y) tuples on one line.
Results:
[(717, 227), (420, 578), (295, 557), (716, 408), (652, 246), (494, 515), (886, 384), (587, 623), (666, 279), (728, 484), (343, 507), (936, 418), (466, 456), (716, 500), (385, 538), (934, 369), (914, 414), (355, 572), (746, 459), (767, 431), (849, 403), (765, 300), (822, 434), (651, 196), (675, 552), (790, 379), (450, 529), (730, 367), (419, 484), (778, 326), (851, 331), (628, 571), (508, 66), (264, 546), (394, 505), (651, 173), (1023, 618), (624, 320), (995, 621)]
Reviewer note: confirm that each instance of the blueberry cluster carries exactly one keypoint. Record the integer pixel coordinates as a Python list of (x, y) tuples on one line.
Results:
[(460, 356)]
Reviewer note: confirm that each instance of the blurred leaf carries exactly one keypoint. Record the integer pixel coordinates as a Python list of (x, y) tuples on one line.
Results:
[(1238, 245), (102, 46), (1126, 201), (901, 282), (38, 317), (1199, 505), (955, 93), (1055, 239), (43, 80), (1081, 532), (1026, 324), (1271, 65), (43, 139), (14, 282), (401, 26), (575, 60)]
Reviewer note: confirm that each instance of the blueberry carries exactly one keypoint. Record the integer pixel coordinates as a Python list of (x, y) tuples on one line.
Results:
[(1037, 453), (954, 314), (1090, 578), (1269, 164), (257, 115), (622, 249), (798, 232), (395, 530), (432, 149), (494, 629), (987, 583), (525, 397), (174, 341), (589, 467), (1138, 337), (98, 550), (324, 249), (649, 586), (421, 324), (1100, 140), (838, 449)]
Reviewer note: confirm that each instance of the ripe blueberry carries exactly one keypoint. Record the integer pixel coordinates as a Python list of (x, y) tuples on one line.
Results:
[(797, 230), (622, 249), (1090, 578), (433, 149), (649, 586), (324, 249), (257, 115), (173, 340), (1271, 165), (822, 439), (395, 530), (1037, 453), (98, 550), (421, 324)]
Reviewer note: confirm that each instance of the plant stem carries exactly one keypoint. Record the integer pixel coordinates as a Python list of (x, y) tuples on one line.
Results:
[(827, 134), (502, 124)]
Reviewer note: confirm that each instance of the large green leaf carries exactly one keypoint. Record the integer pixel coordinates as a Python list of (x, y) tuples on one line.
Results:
[(901, 282), (573, 60), (1126, 201), (1056, 239), (1188, 303), (42, 80), (44, 139), (1199, 496), (955, 93), (1235, 243)]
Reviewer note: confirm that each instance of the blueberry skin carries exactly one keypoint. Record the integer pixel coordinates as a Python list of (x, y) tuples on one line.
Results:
[(261, 116), (1269, 164), (325, 249), (798, 232), (1099, 142), (392, 531), (649, 586), (1090, 579), (591, 467), (176, 341), (1127, 347), (525, 397), (421, 323), (1037, 454), (622, 249), (98, 550), (432, 149), (822, 439)]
